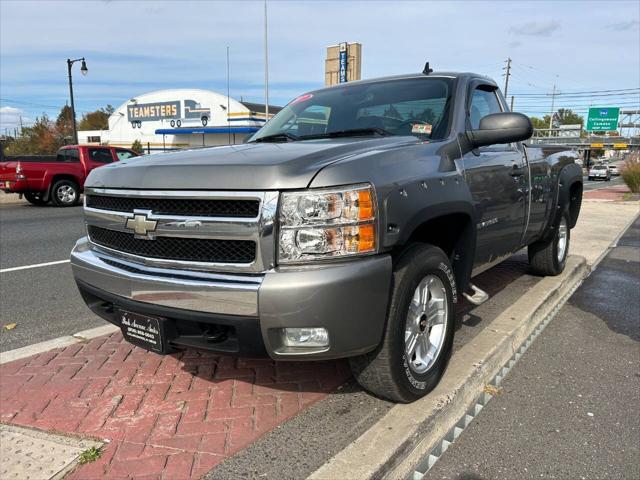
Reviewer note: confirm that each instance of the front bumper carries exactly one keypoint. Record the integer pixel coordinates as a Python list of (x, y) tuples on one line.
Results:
[(349, 299)]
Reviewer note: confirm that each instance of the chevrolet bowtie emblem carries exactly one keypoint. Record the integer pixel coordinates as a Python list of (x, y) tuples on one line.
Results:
[(140, 225)]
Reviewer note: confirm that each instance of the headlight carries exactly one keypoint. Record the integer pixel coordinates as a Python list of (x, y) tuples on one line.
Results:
[(327, 223)]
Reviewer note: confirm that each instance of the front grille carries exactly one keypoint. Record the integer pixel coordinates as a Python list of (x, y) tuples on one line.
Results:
[(178, 206), (176, 248)]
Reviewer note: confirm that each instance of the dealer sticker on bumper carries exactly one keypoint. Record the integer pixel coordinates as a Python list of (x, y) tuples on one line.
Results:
[(141, 330)]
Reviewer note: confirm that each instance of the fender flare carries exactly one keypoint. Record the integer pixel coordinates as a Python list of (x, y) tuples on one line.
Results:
[(569, 176), (465, 247)]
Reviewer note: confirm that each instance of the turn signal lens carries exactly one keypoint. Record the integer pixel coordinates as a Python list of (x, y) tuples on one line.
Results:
[(365, 205)]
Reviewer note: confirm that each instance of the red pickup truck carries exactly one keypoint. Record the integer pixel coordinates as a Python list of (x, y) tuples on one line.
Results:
[(56, 178)]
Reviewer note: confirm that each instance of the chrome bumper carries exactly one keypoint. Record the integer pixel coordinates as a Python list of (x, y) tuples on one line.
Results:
[(349, 299), (199, 291)]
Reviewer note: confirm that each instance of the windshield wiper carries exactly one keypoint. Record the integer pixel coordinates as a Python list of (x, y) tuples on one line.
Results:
[(354, 132), (277, 137)]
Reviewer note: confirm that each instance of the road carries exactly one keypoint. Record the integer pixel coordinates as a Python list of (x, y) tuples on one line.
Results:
[(43, 302), (569, 407), (595, 184)]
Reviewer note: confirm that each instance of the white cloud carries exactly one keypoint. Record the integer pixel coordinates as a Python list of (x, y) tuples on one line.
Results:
[(536, 28), (10, 118)]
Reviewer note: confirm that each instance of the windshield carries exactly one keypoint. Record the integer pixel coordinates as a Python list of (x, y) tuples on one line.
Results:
[(418, 106), (600, 168)]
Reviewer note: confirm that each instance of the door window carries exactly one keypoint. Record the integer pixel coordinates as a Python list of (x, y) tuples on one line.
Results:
[(68, 155), (124, 154), (483, 103), (100, 155)]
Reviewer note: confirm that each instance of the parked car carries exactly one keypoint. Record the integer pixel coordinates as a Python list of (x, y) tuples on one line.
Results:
[(600, 172), (613, 168), (57, 178), (352, 235)]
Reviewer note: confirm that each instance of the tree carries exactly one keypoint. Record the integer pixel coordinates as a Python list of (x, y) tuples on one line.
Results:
[(136, 146), (98, 120), (539, 123), (64, 126), (565, 116), (39, 139)]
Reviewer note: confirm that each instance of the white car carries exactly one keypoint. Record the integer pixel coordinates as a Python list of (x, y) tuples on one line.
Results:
[(613, 168), (600, 172)]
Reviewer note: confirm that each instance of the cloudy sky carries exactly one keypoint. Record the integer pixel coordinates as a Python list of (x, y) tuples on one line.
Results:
[(137, 47)]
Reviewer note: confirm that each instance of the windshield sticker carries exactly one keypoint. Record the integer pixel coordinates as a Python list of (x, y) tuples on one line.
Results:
[(302, 98), (424, 128)]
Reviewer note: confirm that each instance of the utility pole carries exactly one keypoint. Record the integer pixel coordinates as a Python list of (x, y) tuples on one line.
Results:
[(228, 98), (553, 103), (21, 126), (266, 66), (506, 78), (511, 107)]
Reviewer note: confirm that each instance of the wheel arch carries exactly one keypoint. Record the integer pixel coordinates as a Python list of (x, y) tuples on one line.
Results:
[(451, 228)]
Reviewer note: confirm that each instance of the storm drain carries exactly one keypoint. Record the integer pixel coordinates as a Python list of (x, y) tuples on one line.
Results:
[(429, 460), (27, 454)]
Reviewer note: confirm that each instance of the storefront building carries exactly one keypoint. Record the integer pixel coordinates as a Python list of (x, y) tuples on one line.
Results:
[(180, 118)]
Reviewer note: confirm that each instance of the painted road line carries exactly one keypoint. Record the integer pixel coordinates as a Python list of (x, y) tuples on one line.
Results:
[(35, 265)]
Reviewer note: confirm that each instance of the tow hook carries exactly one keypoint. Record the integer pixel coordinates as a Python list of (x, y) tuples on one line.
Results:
[(477, 295)]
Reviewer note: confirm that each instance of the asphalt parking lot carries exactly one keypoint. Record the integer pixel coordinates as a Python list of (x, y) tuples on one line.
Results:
[(43, 302)]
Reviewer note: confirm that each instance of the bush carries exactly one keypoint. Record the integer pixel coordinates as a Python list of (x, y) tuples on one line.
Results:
[(136, 146), (631, 172)]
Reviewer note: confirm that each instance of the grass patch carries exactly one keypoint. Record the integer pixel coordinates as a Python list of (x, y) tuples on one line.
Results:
[(89, 455)]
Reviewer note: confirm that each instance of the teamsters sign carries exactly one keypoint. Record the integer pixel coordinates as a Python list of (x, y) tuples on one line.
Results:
[(142, 112)]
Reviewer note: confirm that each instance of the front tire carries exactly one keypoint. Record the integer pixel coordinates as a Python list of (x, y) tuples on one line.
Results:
[(548, 258), (65, 193), (419, 330)]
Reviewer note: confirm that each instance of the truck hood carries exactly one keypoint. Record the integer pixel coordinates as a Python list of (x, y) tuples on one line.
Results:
[(252, 166)]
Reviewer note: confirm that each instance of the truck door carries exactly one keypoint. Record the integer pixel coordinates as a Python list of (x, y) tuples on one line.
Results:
[(497, 178), (98, 156)]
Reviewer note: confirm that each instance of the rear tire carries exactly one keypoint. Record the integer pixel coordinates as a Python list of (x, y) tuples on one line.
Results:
[(35, 198), (548, 258), (65, 193), (414, 352)]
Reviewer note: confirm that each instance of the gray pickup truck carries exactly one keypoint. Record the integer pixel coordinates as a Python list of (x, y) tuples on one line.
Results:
[(348, 226)]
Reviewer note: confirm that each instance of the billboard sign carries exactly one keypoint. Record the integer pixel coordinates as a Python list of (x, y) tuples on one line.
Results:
[(146, 112), (603, 119), (342, 76)]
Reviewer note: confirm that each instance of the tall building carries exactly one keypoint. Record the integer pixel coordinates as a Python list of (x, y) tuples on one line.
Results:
[(343, 63)]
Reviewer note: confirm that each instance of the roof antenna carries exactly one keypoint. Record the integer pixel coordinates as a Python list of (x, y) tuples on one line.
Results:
[(427, 70)]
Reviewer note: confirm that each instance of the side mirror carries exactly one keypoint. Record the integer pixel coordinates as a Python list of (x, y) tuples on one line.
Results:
[(498, 128)]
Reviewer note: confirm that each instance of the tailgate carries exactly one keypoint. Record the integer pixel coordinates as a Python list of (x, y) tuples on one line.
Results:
[(8, 171)]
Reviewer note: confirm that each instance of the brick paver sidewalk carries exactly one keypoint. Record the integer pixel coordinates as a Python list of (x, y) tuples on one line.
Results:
[(614, 194), (171, 417)]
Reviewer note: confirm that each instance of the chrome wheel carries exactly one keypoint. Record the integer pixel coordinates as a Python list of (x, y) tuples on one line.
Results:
[(426, 325), (66, 194), (562, 239)]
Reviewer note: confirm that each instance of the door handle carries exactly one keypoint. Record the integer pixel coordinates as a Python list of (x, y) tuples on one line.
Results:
[(517, 171)]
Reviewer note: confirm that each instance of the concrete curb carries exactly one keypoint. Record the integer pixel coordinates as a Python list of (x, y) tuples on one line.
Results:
[(60, 342), (394, 446)]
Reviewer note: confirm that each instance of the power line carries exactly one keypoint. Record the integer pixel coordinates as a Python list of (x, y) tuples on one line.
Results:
[(603, 92)]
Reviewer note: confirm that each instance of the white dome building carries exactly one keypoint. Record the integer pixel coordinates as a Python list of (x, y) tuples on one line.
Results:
[(179, 118)]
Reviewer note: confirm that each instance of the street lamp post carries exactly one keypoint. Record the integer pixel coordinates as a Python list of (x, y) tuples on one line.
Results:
[(83, 70)]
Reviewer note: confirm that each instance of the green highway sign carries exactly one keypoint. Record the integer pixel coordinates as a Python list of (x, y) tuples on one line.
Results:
[(603, 119)]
